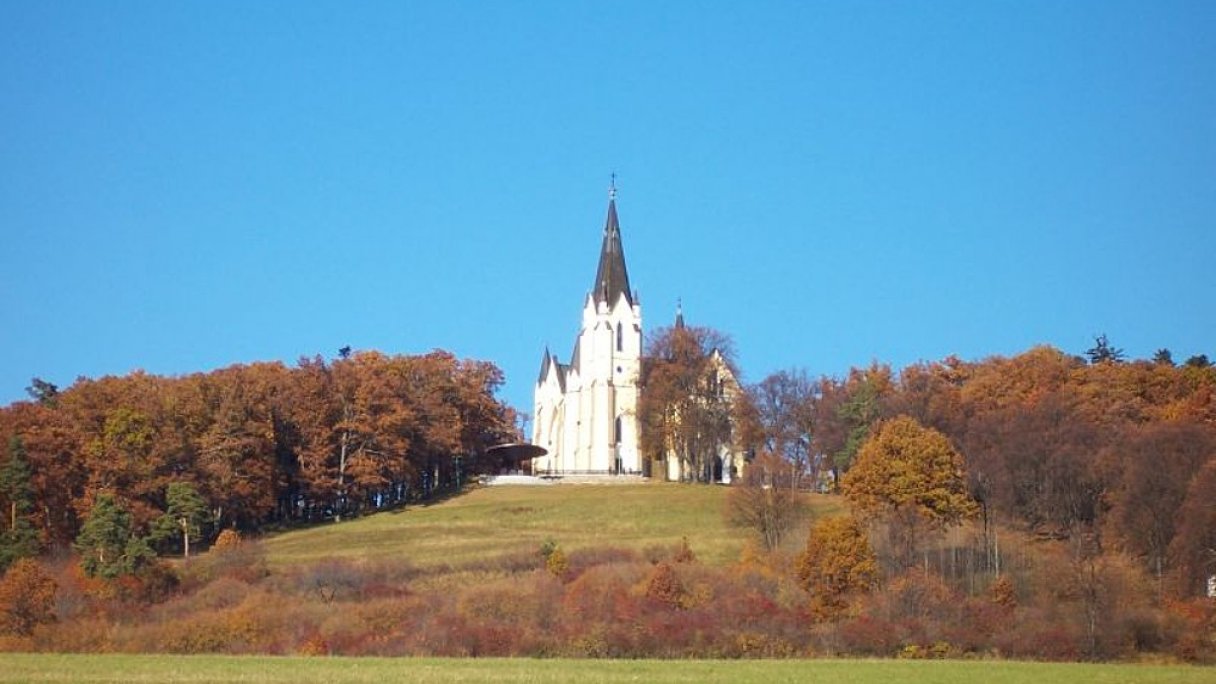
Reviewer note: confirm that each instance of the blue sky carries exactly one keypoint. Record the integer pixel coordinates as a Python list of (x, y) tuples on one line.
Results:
[(185, 186)]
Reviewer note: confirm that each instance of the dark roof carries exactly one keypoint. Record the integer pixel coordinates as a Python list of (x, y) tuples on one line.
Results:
[(560, 368), (544, 365), (611, 278)]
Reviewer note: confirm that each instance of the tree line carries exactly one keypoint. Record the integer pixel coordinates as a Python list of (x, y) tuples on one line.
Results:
[(242, 447), (1114, 456)]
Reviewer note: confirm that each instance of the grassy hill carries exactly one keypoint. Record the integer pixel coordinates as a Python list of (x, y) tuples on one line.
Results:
[(498, 521), (463, 577)]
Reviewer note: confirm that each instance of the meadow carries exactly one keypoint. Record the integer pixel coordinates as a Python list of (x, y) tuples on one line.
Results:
[(299, 670), (495, 521)]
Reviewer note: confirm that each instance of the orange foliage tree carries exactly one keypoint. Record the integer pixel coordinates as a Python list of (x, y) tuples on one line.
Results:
[(911, 478), (837, 563), (27, 597), (684, 408)]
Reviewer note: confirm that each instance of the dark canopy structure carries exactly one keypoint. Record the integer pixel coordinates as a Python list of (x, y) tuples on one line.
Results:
[(515, 456)]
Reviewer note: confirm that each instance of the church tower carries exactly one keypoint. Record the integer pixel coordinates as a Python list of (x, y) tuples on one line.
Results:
[(586, 411)]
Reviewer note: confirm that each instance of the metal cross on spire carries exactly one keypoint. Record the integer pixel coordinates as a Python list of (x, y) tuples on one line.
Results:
[(612, 187)]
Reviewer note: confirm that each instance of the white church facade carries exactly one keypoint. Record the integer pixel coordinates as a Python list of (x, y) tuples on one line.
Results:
[(585, 411)]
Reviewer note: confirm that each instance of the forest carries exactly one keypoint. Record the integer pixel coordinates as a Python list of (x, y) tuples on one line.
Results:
[(1114, 455), (248, 446), (1044, 505)]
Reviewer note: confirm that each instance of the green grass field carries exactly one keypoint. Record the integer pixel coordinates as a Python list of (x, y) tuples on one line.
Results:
[(500, 520), (196, 669)]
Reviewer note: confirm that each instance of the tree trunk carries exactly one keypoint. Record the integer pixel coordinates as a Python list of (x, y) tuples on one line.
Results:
[(185, 537)]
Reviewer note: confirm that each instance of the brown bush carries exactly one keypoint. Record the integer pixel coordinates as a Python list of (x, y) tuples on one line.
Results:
[(1191, 626), (602, 594), (82, 635), (865, 635), (240, 559), (556, 563), (228, 540), (663, 586), (1002, 592), (684, 553), (27, 597), (589, 557)]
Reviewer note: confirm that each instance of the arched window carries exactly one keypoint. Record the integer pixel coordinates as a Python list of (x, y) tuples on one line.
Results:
[(620, 337), (617, 431)]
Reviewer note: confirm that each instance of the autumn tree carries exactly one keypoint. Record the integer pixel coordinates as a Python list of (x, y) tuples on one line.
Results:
[(27, 597), (50, 444), (836, 564), (19, 539), (911, 478), (1193, 548), (1152, 469), (122, 458), (785, 409), (846, 411), (686, 399), (245, 461), (763, 502)]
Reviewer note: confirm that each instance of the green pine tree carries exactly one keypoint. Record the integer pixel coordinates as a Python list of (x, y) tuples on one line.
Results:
[(185, 516), (107, 544), (19, 538)]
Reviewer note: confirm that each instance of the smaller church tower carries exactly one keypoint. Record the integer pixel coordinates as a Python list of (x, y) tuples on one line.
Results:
[(586, 410)]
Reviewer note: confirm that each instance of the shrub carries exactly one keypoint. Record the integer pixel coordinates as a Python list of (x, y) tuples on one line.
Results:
[(837, 562), (231, 557), (1002, 592), (228, 540), (27, 597), (582, 559), (1191, 626), (867, 635), (665, 588), (556, 564), (152, 583), (602, 594), (684, 553)]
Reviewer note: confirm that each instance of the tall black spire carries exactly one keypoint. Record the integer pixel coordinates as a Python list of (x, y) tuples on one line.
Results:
[(611, 278)]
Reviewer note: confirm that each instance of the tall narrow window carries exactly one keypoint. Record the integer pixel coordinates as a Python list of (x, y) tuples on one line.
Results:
[(620, 337), (617, 439)]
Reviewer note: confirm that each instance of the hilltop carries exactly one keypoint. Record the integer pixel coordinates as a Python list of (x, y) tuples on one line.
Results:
[(484, 525)]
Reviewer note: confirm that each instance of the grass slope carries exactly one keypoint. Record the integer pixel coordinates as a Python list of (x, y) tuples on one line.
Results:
[(197, 669), (492, 521)]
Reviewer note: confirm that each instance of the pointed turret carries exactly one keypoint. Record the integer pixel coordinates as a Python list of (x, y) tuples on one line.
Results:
[(544, 365), (679, 315), (611, 278)]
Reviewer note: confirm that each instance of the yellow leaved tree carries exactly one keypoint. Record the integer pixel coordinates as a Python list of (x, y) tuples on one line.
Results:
[(910, 478)]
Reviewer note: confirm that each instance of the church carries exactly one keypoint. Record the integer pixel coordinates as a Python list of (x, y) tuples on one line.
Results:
[(585, 411)]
